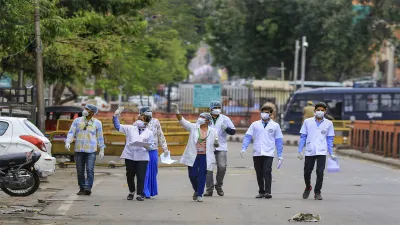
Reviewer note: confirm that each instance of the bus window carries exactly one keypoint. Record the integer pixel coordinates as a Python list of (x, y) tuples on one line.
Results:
[(396, 102), (386, 102), (348, 103), (365, 102), (297, 106)]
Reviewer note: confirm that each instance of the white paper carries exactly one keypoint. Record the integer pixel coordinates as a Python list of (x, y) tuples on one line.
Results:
[(166, 160), (333, 165), (141, 144)]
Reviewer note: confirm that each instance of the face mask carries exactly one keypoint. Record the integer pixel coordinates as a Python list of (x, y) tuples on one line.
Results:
[(139, 123), (319, 114), (216, 111), (264, 116), (148, 114), (85, 113), (201, 121)]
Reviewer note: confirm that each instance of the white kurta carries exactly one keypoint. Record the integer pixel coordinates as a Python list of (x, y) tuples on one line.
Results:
[(264, 138), (222, 119), (190, 153), (132, 134), (316, 136)]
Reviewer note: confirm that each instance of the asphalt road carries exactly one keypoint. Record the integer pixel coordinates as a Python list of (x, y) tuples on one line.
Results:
[(362, 193)]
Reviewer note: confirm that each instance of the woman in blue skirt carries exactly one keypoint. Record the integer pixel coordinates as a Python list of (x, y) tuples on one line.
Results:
[(150, 185)]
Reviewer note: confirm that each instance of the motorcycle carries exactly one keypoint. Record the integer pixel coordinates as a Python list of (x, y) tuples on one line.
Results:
[(18, 175)]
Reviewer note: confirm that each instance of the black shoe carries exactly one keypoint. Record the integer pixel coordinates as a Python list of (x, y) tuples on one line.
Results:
[(317, 197), (130, 197), (140, 198), (88, 192), (268, 196), (194, 196), (260, 196), (220, 192), (208, 194), (306, 192), (81, 192)]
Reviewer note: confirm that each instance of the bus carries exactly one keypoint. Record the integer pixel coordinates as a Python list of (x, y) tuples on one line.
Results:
[(344, 104)]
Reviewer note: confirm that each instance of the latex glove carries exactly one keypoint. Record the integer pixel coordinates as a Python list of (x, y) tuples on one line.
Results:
[(333, 157), (166, 153), (118, 111), (176, 108), (300, 156), (242, 153), (216, 143), (68, 146), (223, 127), (280, 159), (101, 153), (280, 162)]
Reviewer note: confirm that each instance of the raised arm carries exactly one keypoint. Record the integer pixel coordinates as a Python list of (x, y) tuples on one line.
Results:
[(176, 109)]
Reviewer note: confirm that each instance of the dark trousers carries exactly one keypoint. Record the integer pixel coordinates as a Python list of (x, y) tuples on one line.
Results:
[(263, 167), (138, 169), (197, 174), (309, 163)]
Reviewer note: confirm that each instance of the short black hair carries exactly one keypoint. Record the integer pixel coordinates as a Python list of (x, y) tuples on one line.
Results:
[(321, 104), (269, 108)]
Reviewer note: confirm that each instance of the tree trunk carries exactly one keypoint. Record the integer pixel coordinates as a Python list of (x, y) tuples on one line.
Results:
[(70, 98), (57, 93)]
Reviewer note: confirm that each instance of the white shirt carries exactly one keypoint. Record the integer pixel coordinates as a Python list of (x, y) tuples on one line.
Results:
[(264, 138), (316, 136), (132, 134), (222, 119), (190, 153)]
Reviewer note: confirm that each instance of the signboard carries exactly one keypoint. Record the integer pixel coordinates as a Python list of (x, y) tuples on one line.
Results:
[(5, 82), (204, 94)]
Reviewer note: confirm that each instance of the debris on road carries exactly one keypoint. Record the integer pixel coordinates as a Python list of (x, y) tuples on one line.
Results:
[(305, 217)]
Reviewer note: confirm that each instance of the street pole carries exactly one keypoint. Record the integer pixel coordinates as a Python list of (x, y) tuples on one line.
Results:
[(390, 71), (296, 62), (303, 60), (39, 70), (283, 70)]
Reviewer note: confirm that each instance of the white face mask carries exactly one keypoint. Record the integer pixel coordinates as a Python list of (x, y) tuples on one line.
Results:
[(201, 121), (216, 111), (85, 113), (319, 114), (264, 116), (139, 123)]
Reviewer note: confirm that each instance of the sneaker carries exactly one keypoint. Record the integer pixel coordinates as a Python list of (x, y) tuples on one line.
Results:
[(220, 192), (317, 197), (130, 197), (306, 192), (268, 196), (140, 198), (88, 192), (195, 196), (260, 196), (208, 193), (81, 191), (199, 199)]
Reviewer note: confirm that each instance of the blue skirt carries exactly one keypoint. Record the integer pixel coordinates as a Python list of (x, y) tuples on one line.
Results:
[(150, 182)]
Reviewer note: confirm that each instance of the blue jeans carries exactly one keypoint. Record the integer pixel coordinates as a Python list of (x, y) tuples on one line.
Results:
[(198, 173), (85, 160)]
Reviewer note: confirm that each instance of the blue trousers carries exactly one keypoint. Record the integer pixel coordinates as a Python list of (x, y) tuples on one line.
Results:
[(198, 173), (84, 161), (150, 181)]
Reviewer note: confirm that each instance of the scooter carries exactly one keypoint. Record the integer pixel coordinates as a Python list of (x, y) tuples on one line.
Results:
[(18, 175)]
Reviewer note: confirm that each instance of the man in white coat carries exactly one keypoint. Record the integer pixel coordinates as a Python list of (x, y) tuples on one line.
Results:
[(199, 153), (317, 134), (224, 126), (267, 136)]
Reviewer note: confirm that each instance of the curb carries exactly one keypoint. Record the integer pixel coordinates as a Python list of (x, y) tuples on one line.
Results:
[(287, 142), (369, 157)]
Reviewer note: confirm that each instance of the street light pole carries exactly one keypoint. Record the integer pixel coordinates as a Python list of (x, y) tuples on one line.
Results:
[(304, 45), (39, 70), (296, 62)]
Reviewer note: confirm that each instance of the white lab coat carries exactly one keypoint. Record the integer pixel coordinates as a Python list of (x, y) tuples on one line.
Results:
[(132, 134), (222, 119), (316, 136), (264, 138), (190, 154)]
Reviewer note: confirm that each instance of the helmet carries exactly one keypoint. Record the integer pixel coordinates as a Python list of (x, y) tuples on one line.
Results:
[(214, 104)]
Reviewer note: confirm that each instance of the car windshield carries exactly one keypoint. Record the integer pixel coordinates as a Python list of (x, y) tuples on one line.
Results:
[(33, 128)]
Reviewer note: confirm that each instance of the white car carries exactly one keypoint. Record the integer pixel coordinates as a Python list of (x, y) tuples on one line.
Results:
[(20, 135)]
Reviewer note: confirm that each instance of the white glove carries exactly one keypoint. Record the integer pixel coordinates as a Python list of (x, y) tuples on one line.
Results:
[(67, 146), (118, 111), (216, 143), (300, 156), (223, 127), (176, 108), (101, 153), (280, 159), (280, 162), (333, 157), (242, 153), (166, 153)]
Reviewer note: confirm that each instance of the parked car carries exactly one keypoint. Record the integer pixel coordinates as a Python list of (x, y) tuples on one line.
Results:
[(19, 135), (97, 101), (142, 101)]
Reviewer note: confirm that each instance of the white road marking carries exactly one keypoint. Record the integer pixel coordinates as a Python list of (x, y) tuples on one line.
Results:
[(66, 205)]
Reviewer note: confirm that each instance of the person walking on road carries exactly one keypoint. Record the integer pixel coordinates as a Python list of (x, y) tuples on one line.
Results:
[(224, 126), (136, 157), (317, 134), (199, 153), (267, 136), (88, 134), (308, 111), (150, 184)]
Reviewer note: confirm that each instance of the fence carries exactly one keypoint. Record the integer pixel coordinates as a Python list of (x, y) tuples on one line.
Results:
[(18, 102), (376, 137)]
